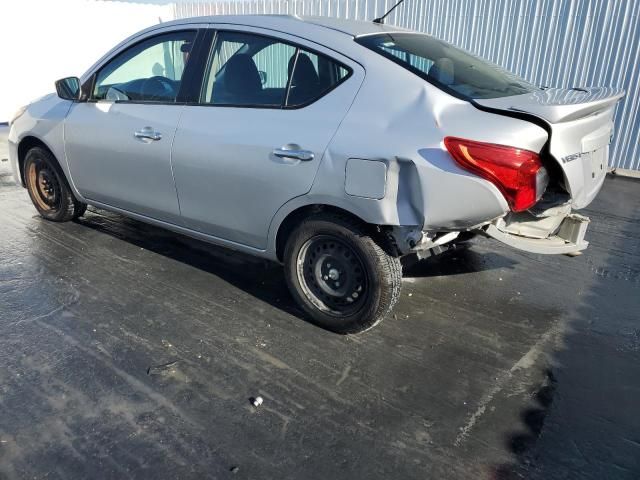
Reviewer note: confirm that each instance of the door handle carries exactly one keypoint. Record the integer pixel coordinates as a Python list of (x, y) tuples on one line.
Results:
[(292, 150), (148, 133)]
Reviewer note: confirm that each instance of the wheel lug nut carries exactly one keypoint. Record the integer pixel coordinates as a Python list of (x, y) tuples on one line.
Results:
[(325, 278)]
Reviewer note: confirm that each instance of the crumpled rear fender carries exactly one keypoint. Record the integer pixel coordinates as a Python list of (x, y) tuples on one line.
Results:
[(387, 163)]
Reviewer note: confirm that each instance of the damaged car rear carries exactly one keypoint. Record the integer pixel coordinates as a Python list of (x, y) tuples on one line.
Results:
[(334, 147), (548, 160)]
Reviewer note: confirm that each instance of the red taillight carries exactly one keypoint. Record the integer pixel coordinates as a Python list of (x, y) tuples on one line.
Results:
[(517, 173)]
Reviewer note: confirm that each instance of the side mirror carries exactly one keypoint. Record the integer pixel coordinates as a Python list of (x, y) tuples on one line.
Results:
[(263, 76), (68, 88)]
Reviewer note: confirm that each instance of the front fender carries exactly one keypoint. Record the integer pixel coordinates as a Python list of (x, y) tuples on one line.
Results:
[(43, 120)]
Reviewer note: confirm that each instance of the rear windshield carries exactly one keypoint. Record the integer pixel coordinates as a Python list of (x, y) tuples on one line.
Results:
[(449, 68)]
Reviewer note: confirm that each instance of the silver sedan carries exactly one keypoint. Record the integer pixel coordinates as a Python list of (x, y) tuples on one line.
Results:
[(334, 147)]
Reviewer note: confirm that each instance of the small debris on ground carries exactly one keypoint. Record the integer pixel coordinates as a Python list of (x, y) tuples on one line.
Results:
[(234, 469), (159, 369), (257, 401)]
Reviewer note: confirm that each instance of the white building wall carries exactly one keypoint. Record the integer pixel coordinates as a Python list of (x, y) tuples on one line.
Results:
[(44, 40)]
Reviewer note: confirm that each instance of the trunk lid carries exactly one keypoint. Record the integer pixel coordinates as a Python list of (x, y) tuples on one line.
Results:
[(581, 124)]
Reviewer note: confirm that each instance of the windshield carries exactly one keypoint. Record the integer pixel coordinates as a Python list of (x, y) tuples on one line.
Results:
[(449, 68)]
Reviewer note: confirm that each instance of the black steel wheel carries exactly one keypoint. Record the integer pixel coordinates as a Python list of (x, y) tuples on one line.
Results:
[(48, 188), (332, 275), (342, 275)]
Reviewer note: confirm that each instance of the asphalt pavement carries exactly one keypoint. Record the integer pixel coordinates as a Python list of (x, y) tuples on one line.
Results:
[(127, 351)]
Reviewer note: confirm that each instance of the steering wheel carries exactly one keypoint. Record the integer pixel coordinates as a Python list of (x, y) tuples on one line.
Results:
[(157, 88)]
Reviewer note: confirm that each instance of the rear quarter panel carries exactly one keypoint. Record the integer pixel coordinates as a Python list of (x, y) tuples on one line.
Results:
[(401, 120)]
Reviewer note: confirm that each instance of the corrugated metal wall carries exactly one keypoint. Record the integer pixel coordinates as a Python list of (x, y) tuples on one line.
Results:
[(560, 43)]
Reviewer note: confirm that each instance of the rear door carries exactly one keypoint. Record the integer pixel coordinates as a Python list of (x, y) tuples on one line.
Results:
[(267, 109), (118, 143)]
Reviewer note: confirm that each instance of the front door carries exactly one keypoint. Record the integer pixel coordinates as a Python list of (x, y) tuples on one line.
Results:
[(267, 111), (118, 144)]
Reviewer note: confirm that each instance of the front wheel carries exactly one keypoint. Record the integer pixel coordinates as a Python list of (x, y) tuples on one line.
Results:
[(345, 279), (48, 188)]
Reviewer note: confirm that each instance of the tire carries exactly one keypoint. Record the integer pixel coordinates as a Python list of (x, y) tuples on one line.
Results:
[(345, 278), (48, 187)]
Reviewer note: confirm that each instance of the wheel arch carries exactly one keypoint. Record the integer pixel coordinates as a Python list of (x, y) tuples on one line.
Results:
[(296, 215), (26, 144)]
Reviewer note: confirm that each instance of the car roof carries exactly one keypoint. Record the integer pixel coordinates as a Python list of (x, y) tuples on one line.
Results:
[(352, 28), (331, 32)]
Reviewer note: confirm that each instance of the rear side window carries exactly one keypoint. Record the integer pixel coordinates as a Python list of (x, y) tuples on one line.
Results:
[(258, 71), (313, 75), (453, 70), (150, 71)]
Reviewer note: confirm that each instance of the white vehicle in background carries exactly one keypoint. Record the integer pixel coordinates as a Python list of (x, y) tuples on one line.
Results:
[(4, 147), (335, 147)]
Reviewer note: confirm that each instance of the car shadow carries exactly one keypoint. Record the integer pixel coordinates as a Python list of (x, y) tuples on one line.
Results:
[(262, 278), (459, 259), (521, 443)]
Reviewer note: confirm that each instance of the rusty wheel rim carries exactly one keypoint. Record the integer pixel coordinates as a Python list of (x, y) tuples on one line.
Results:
[(44, 186)]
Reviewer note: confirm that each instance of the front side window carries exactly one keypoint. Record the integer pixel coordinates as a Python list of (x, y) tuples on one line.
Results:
[(255, 70), (150, 71), (446, 66)]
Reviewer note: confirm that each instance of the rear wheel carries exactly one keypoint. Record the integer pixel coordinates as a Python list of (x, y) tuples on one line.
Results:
[(48, 188), (344, 279)]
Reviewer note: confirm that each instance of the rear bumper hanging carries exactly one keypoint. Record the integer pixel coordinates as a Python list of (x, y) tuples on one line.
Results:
[(568, 239)]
